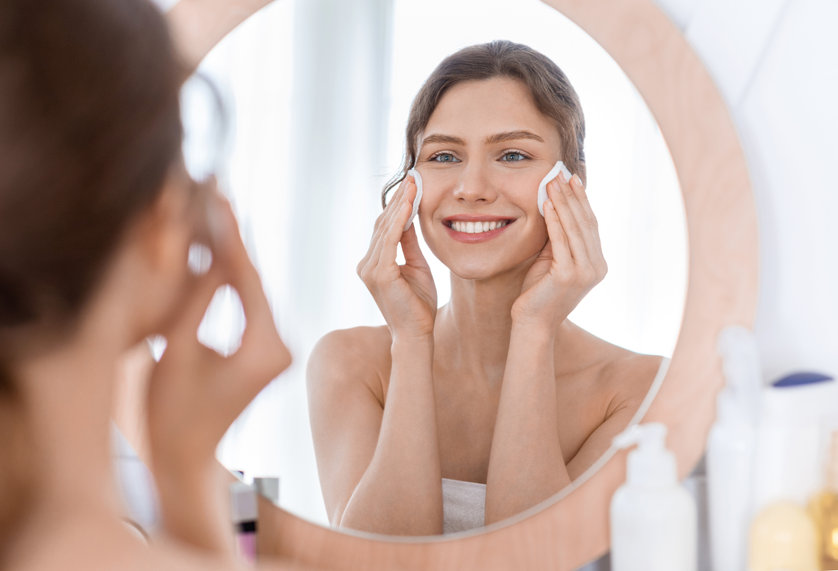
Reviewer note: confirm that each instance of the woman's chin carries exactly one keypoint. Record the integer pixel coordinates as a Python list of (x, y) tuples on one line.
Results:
[(483, 270), (479, 271)]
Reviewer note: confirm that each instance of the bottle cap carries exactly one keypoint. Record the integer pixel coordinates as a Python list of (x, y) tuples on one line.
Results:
[(651, 464)]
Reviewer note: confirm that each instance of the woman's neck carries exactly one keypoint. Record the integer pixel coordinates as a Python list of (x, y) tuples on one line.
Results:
[(69, 392), (474, 327)]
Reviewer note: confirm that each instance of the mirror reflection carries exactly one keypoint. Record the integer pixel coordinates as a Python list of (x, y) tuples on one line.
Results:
[(527, 408)]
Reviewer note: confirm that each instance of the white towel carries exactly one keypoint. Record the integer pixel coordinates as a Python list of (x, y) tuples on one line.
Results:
[(463, 505)]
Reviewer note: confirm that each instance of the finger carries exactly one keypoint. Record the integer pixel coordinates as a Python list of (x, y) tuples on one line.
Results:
[(383, 228), (578, 188), (394, 203), (412, 252), (375, 238), (184, 328), (405, 194), (559, 247), (260, 335), (572, 230), (373, 255), (395, 226), (585, 215), (576, 200)]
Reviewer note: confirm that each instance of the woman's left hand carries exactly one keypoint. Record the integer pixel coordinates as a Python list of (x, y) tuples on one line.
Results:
[(570, 264)]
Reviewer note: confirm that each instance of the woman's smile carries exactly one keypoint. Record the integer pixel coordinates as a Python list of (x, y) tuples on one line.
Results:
[(472, 229)]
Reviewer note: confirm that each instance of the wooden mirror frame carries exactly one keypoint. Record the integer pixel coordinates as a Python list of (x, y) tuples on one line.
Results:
[(571, 529)]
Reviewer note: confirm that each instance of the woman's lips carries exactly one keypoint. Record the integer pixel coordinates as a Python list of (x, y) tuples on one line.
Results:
[(471, 229)]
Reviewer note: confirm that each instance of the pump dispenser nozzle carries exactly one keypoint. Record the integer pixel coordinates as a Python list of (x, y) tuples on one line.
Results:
[(651, 464), (741, 364)]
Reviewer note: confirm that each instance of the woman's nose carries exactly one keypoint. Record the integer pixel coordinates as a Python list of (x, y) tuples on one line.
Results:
[(474, 185)]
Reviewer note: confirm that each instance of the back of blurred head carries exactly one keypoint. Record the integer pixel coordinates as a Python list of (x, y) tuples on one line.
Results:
[(89, 130), (89, 127)]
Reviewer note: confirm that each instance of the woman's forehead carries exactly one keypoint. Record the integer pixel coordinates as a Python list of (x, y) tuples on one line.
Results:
[(482, 110)]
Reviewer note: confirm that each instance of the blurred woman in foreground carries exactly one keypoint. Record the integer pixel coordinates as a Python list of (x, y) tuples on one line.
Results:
[(97, 214)]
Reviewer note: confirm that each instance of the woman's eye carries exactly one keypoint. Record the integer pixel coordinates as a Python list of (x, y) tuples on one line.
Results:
[(444, 158), (513, 156)]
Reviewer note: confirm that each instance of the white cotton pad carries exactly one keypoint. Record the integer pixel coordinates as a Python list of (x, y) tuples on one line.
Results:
[(542, 188), (418, 179)]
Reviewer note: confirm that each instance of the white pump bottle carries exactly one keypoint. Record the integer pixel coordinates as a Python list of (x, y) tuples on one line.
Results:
[(653, 517)]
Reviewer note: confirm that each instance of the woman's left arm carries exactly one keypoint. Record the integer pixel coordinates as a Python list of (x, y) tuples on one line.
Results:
[(526, 464)]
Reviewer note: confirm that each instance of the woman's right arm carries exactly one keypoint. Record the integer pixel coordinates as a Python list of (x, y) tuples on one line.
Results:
[(379, 463)]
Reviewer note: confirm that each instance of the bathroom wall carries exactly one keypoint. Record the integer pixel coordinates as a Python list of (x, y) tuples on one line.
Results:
[(776, 63)]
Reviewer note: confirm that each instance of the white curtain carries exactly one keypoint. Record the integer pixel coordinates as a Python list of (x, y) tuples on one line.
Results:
[(319, 92)]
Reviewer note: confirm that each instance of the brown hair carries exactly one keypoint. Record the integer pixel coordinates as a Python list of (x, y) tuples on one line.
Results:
[(89, 129), (551, 91)]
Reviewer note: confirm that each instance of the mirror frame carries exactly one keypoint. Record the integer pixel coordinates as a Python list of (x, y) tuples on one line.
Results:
[(571, 529)]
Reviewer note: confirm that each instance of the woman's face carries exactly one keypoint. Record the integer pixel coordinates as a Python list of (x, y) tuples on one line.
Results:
[(482, 155)]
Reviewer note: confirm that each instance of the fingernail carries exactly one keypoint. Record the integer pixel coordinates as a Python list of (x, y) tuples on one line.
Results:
[(562, 175), (577, 180)]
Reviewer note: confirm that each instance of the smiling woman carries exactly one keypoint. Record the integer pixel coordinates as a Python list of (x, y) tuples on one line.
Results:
[(408, 415)]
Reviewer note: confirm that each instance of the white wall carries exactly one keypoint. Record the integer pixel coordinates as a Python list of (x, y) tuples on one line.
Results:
[(776, 63)]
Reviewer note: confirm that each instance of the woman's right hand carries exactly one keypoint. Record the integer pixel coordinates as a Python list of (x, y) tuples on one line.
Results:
[(405, 294)]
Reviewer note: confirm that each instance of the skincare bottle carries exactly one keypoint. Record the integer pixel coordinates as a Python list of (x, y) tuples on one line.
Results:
[(653, 518), (824, 508), (730, 450), (783, 538), (243, 503), (788, 460)]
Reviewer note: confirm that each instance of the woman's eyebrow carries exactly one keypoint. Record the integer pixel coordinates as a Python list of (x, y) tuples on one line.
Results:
[(442, 139), (496, 138), (512, 136)]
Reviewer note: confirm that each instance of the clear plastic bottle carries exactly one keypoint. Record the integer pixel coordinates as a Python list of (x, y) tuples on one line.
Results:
[(653, 518), (730, 450)]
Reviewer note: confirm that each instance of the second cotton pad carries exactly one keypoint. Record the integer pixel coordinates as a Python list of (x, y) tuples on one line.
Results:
[(542, 188), (418, 179)]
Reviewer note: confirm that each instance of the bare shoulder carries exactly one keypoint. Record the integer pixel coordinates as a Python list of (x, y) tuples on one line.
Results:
[(623, 376), (350, 355), (629, 376)]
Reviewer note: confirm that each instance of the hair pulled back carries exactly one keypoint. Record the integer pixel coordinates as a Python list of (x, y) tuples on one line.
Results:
[(89, 127)]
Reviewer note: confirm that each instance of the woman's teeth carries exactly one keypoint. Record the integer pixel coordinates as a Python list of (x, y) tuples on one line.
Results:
[(477, 227)]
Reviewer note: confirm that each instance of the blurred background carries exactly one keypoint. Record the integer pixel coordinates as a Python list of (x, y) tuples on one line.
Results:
[(317, 94)]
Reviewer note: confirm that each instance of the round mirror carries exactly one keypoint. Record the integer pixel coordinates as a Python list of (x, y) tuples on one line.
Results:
[(318, 95)]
